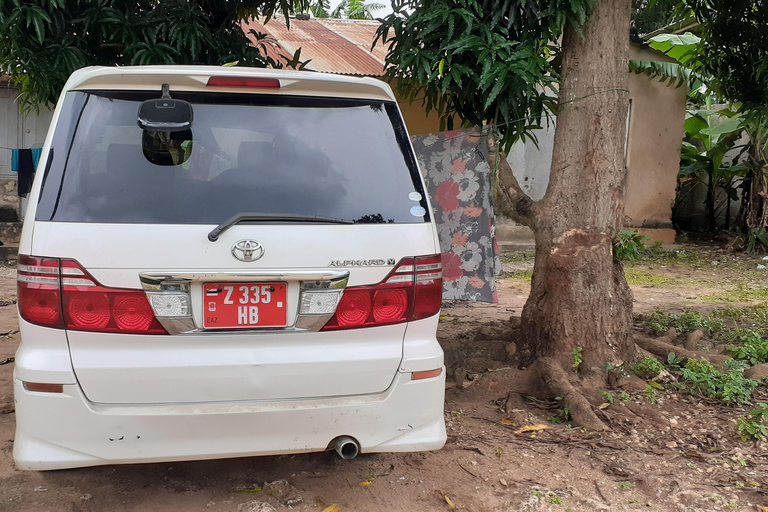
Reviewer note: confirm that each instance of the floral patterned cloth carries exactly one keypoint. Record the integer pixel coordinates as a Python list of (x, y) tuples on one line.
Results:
[(458, 178)]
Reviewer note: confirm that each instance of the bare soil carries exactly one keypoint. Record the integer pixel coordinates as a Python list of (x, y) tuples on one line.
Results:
[(678, 452)]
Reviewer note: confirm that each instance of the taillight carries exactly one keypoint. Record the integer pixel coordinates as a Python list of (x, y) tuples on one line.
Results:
[(38, 291), (61, 294), (411, 291)]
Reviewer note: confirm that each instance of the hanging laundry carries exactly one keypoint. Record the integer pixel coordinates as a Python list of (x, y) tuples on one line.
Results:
[(36, 156), (15, 160), (26, 170)]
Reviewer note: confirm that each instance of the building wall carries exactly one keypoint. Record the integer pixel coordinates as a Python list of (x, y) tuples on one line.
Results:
[(416, 120), (656, 123), (16, 132)]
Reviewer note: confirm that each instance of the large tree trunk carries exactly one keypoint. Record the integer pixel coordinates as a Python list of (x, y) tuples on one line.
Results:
[(579, 296)]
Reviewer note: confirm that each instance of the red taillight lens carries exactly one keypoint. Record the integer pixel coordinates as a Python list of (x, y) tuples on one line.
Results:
[(354, 309), (413, 290), (244, 81), (38, 291), (46, 284), (132, 312), (390, 305), (429, 287), (87, 311)]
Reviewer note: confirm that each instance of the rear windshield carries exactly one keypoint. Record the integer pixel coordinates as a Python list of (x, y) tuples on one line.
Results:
[(345, 159)]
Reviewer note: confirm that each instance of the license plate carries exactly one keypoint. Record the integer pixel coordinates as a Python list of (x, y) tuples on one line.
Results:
[(244, 305)]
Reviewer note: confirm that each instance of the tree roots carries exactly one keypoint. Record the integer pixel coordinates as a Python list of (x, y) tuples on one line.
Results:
[(557, 380), (662, 347)]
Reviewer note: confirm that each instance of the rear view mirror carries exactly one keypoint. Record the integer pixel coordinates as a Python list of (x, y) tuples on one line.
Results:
[(165, 114)]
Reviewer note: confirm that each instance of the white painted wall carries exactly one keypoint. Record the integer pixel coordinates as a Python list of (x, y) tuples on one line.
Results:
[(18, 131)]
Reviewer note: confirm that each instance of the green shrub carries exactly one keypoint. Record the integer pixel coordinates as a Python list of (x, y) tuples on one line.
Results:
[(629, 246), (685, 322), (754, 349), (648, 368), (701, 378), (752, 426)]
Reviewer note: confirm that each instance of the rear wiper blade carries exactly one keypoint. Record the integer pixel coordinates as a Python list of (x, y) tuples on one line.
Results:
[(293, 217)]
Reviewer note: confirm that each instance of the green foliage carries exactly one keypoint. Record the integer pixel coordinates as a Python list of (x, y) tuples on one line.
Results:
[(650, 15), (651, 392), (753, 427), (701, 378), (685, 322), (43, 42), (607, 396), (629, 246), (481, 60), (576, 357), (754, 347), (756, 240), (648, 368), (355, 10), (625, 397), (734, 49)]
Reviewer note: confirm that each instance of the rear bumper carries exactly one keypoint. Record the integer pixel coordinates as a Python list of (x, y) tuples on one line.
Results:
[(58, 431)]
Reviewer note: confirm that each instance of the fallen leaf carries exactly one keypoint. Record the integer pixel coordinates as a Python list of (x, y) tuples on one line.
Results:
[(762, 509), (449, 502), (368, 481), (443, 317), (505, 421), (332, 508), (531, 428), (604, 405), (499, 451), (493, 407)]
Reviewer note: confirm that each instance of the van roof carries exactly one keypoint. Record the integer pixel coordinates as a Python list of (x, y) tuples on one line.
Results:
[(195, 78)]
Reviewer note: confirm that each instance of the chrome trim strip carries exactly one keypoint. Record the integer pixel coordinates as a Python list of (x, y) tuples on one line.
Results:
[(180, 283)]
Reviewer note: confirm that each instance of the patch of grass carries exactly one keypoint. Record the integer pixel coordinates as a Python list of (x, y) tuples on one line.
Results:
[(749, 317), (648, 368), (636, 277), (626, 486), (740, 294), (685, 322), (686, 257), (521, 275), (703, 379), (517, 257)]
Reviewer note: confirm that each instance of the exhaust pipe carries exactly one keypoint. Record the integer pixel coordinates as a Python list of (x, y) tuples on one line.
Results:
[(346, 447)]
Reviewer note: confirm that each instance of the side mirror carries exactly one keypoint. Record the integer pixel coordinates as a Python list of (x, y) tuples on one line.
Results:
[(165, 114)]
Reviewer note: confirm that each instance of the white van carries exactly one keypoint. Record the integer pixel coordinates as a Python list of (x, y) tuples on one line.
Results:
[(221, 262)]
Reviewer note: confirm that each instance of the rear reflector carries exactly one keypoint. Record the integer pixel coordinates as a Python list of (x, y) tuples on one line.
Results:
[(61, 294), (244, 81), (411, 291), (427, 374), (44, 388)]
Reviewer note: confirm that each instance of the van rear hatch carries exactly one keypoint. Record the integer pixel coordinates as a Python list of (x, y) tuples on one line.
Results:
[(328, 195)]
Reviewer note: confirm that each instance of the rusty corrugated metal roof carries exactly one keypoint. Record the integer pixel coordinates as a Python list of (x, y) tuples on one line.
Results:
[(333, 45)]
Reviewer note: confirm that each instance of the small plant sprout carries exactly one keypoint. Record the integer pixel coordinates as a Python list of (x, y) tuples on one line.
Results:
[(626, 486), (555, 499), (625, 397), (576, 357), (648, 368), (754, 426), (607, 396), (651, 393)]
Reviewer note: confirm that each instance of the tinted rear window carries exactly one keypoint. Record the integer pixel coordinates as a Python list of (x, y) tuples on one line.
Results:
[(346, 159)]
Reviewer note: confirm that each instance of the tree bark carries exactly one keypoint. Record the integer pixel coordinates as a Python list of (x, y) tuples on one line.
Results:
[(579, 296)]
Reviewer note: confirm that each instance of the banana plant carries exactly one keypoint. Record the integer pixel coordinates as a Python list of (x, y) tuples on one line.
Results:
[(709, 136)]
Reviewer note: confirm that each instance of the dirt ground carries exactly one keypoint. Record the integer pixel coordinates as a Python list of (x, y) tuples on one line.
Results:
[(677, 452)]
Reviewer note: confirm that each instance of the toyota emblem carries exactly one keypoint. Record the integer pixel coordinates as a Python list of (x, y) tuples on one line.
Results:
[(247, 250)]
